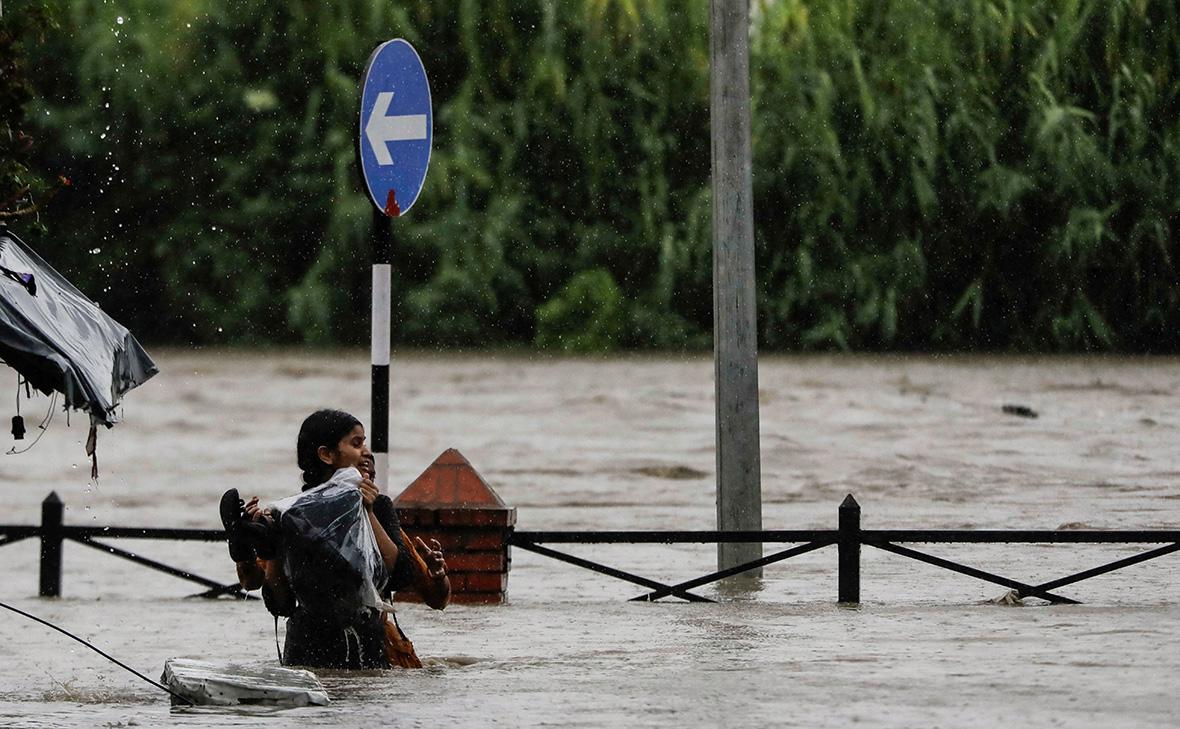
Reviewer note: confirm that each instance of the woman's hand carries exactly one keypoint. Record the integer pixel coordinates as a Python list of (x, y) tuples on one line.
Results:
[(369, 493), (254, 512), (432, 584), (436, 566)]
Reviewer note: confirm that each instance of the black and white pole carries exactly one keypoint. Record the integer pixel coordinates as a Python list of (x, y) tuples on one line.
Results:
[(382, 297)]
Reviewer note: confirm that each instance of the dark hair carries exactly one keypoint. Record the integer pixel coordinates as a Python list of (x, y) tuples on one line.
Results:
[(321, 428)]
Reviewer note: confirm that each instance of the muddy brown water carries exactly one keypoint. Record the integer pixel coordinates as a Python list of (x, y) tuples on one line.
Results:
[(628, 443)]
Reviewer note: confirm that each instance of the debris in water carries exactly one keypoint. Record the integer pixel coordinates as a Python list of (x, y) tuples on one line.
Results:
[(1011, 598), (676, 473), (216, 684), (1023, 411)]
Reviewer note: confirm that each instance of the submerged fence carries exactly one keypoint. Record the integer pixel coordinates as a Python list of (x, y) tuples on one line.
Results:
[(848, 539), (53, 533)]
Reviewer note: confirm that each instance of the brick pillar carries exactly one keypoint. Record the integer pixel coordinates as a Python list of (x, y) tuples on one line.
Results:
[(452, 503)]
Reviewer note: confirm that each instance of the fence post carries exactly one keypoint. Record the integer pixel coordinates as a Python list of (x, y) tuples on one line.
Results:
[(51, 521), (849, 548)]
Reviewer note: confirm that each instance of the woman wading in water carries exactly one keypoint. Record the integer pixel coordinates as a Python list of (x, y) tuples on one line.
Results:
[(322, 632)]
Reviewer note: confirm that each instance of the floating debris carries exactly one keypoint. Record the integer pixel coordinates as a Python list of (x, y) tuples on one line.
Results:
[(1023, 411), (227, 684), (1010, 598), (672, 472)]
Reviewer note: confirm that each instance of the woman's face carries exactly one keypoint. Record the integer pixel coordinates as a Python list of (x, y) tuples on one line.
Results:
[(350, 451)]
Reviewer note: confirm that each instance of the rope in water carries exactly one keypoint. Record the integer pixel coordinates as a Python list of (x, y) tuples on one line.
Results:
[(110, 658)]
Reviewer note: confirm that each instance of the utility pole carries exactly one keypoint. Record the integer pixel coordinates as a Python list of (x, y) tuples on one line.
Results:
[(735, 332)]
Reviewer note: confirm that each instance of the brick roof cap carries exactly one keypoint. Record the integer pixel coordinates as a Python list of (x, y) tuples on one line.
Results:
[(451, 482)]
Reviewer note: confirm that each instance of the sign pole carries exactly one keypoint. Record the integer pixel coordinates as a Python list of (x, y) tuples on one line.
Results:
[(735, 333), (379, 338)]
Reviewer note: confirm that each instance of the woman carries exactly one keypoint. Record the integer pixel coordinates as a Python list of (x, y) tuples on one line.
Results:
[(330, 440)]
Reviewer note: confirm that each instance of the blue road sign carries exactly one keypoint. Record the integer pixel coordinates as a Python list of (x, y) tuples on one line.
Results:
[(396, 127)]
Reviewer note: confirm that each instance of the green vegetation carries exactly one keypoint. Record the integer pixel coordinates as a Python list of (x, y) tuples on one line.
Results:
[(23, 190), (983, 174)]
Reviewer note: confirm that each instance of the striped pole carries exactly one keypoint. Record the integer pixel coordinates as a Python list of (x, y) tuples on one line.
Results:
[(382, 275)]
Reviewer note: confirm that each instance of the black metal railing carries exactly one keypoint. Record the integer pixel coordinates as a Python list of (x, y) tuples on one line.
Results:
[(53, 533), (848, 537)]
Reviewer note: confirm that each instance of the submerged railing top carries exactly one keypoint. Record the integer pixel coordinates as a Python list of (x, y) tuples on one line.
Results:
[(848, 538)]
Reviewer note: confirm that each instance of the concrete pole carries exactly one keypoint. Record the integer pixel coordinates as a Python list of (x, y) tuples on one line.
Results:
[(735, 333)]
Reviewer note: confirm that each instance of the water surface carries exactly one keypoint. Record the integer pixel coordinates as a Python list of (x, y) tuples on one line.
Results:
[(628, 443)]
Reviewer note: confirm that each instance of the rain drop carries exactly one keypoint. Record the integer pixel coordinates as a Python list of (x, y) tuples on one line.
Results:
[(119, 20)]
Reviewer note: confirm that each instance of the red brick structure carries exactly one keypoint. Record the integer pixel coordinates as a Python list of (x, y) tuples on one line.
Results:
[(452, 503)]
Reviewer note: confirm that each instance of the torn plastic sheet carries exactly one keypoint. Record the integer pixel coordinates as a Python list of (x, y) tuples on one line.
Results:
[(59, 340), (229, 684)]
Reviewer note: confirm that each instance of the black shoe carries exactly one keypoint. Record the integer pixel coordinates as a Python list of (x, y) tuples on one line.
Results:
[(232, 518)]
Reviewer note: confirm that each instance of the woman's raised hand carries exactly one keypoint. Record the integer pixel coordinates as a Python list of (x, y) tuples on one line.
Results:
[(432, 555), (369, 493)]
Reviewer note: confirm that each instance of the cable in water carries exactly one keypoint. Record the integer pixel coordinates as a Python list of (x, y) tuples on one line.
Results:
[(110, 658)]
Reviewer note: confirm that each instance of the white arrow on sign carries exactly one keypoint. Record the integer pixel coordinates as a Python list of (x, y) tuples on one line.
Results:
[(382, 129)]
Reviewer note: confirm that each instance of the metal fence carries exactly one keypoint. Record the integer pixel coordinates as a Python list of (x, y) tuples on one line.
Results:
[(53, 533), (848, 538)]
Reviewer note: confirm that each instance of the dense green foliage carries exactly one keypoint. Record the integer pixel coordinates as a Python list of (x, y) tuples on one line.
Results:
[(928, 174), (23, 189), (993, 173)]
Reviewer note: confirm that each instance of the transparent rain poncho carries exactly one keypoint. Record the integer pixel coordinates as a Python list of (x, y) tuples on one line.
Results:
[(329, 552)]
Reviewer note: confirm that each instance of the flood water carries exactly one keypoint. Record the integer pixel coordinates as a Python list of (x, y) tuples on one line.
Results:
[(628, 443)]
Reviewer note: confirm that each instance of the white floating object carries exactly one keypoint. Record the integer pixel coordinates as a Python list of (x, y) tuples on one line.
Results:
[(228, 684)]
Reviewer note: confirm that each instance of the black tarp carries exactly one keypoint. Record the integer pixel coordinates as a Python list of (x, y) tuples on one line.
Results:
[(59, 340)]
